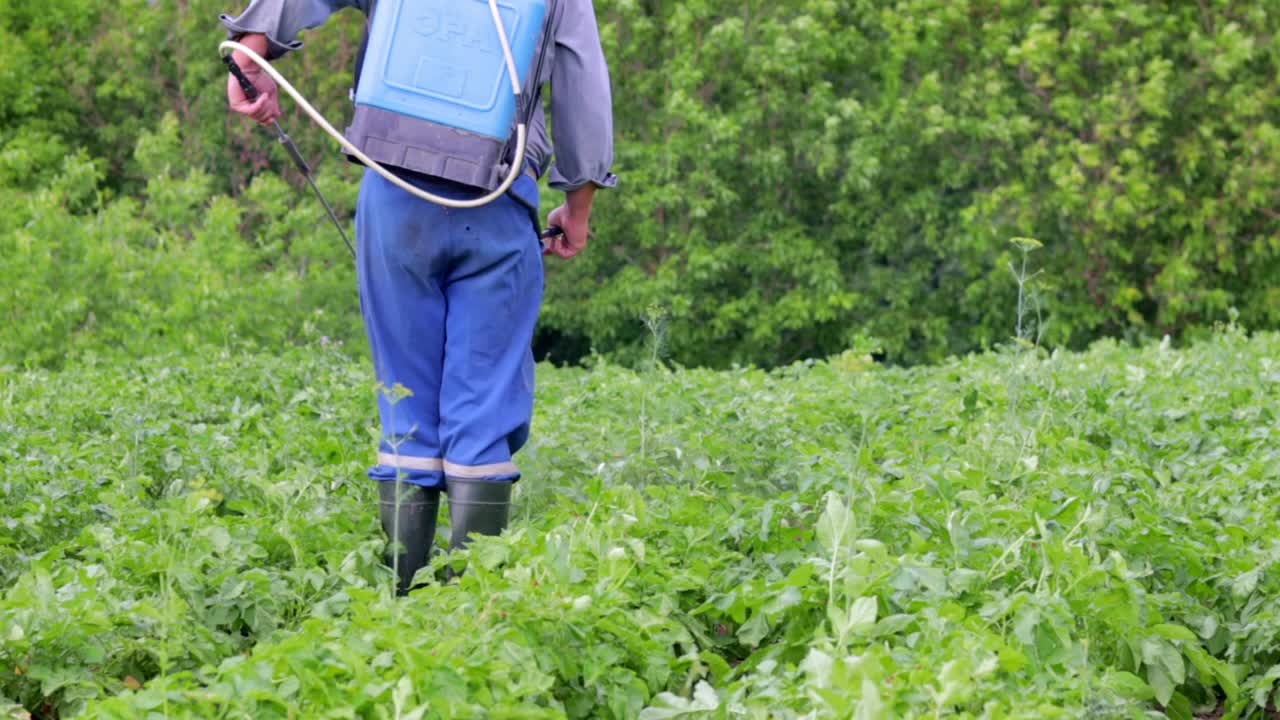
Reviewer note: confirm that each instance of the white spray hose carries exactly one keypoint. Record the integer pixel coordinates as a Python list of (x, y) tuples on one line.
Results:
[(521, 131)]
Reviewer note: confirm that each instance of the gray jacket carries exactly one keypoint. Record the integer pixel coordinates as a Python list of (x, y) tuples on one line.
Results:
[(581, 103)]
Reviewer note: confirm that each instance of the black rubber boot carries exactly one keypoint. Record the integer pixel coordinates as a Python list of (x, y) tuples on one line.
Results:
[(411, 532), (476, 507)]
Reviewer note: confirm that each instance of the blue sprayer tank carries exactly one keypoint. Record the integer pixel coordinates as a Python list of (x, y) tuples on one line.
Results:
[(434, 94)]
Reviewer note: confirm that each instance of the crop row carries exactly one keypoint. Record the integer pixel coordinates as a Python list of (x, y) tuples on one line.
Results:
[(1020, 534)]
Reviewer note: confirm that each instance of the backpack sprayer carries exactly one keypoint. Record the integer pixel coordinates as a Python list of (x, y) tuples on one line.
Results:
[(429, 95)]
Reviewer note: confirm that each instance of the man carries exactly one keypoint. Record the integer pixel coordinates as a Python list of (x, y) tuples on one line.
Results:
[(450, 297)]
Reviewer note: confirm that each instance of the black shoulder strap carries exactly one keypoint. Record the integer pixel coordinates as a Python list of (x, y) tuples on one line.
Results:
[(364, 47), (548, 36)]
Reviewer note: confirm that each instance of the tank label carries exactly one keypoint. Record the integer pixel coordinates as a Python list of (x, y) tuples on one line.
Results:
[(453, 28)]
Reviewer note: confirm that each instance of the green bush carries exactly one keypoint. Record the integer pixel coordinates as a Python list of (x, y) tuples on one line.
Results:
[(798, 176), (177, 267), (98, 75)]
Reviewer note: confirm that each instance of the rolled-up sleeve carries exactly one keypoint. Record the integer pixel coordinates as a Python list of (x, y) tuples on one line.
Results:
[(282, 20), (581, 102)]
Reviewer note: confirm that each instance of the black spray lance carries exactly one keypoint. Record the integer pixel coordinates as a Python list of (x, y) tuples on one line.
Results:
[(251, 93)]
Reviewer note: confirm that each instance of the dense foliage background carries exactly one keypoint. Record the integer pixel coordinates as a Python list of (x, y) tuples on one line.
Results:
[(799, 177)]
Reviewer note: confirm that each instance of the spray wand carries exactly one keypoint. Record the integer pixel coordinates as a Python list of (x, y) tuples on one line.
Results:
[(251, 93)]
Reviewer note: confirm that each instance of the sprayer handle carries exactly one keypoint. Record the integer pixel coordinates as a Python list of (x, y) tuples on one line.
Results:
[(250, 91), (545, 236)]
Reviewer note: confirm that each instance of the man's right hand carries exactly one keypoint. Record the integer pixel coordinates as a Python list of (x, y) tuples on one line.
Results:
[(267, 107), (573, 218)]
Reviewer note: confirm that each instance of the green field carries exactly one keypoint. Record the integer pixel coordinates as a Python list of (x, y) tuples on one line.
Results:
[(714, 522), (1019, 534)]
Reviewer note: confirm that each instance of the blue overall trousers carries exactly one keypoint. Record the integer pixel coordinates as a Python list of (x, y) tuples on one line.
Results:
[(450, 298)]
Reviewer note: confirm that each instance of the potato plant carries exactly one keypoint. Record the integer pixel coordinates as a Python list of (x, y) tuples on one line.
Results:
[(1015, 535)]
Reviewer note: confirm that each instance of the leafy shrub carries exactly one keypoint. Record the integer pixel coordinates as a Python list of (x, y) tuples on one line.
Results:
[(798, 176), (173, 268)]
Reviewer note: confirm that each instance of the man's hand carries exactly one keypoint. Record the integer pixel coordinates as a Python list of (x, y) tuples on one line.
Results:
[(574, 219), (267, 107), (573, 238)]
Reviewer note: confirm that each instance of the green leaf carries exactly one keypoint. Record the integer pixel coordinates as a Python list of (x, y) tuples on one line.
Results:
[(668, 705), (1262, 690), (1212, 670), (1246, 583), (817, 665), (717, 665), (892, 625), (218, 536), (1161, 683), (1025, 626), (1172, 660), (781, 602), (955, 682), (1128, 685), (862, 614), (1179, 708), (12, 711), (705, 697), (754, 630), (870, 706), (490, 554), (836, 524), (1174, 632)]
